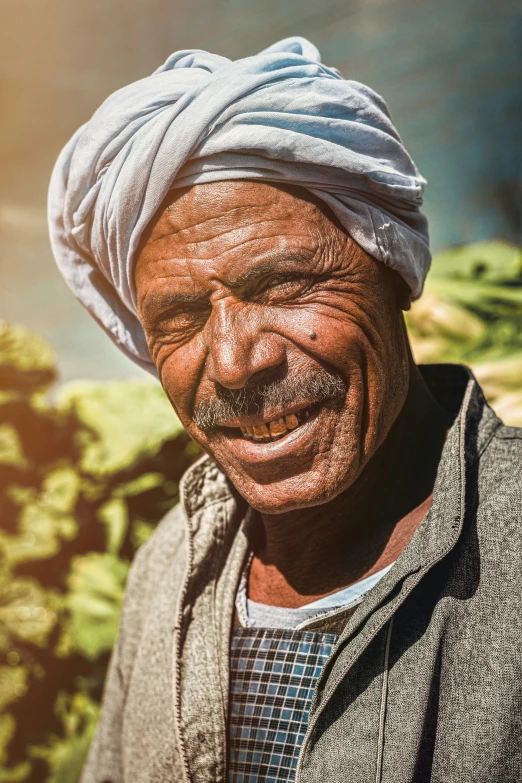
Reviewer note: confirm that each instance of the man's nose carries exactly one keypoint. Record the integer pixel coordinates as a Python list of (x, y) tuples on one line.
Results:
[(240, 345)]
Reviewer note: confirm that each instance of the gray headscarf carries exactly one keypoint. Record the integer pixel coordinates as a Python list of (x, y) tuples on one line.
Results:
[(279, 116)]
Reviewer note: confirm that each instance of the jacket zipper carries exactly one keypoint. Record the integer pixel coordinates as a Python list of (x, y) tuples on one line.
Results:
[(384, 698), (177, 639)]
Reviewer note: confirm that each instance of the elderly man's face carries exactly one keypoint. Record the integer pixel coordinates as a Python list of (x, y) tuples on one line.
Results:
[(278, 340)]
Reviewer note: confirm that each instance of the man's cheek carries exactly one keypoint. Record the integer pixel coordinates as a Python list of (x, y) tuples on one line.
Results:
[(179, 376)]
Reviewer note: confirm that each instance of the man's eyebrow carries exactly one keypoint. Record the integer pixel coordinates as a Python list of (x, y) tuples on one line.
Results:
[(158, 303), (277, 263)]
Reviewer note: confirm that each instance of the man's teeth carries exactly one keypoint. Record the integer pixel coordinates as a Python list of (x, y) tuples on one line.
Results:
[(275, 429)]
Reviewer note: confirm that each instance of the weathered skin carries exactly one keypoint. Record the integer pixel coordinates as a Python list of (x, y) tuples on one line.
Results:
[(239, 283)]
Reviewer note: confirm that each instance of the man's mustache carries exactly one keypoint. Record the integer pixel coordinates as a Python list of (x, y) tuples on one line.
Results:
[(318, 385)]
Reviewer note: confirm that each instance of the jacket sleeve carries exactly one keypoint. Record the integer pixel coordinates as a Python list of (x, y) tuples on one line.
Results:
[(105, 760)]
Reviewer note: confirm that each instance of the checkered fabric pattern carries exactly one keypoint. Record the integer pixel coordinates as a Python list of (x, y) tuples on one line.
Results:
[(273, 673)]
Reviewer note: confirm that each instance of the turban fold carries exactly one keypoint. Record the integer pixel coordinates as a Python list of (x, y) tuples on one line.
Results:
[(280, 116)]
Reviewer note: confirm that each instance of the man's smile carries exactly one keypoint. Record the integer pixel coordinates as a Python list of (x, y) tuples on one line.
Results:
[(276, 428), (254, 445), (271, 426)]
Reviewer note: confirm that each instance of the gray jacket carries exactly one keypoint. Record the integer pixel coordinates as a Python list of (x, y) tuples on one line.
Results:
[(425, 682)]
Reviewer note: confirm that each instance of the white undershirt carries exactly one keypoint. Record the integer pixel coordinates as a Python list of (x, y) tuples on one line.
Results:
[(255, 615)]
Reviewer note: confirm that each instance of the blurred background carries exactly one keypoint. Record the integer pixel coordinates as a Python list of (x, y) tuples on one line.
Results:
[(90, 452), (450, 72)]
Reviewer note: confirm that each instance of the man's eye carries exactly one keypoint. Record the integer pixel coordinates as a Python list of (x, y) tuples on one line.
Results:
[(283, 287), (183, 320)]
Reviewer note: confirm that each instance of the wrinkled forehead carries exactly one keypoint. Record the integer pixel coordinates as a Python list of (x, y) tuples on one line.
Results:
[(232, 212)]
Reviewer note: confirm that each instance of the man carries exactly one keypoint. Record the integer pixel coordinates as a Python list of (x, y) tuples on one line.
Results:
[(337, 595)]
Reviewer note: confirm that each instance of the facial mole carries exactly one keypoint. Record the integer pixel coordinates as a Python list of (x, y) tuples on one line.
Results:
[(313, 336)]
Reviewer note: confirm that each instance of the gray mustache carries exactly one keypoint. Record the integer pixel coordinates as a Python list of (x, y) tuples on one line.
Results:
[(317, 385)]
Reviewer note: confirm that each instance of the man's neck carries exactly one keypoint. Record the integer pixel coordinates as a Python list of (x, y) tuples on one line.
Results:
[(305, 554)]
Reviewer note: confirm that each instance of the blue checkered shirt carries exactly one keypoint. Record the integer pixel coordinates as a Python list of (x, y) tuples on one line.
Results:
[(273, 673)]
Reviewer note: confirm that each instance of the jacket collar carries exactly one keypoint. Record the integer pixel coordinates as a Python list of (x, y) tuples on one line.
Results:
[(454, 497)]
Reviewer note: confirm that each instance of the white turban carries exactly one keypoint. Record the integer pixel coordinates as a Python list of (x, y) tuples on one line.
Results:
[(279, 116)]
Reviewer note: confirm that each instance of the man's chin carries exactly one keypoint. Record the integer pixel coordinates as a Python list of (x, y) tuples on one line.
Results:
[(305, 490)]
